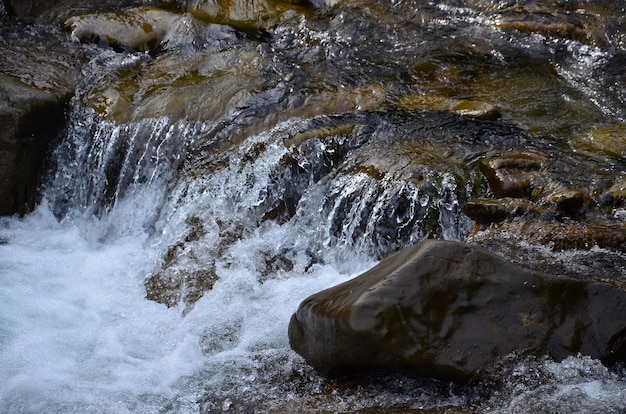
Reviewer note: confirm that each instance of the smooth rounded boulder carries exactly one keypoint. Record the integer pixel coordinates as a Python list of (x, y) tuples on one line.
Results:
[(451, 310)]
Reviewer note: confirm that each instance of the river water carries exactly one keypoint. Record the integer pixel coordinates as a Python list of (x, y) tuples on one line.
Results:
[(273, 217)]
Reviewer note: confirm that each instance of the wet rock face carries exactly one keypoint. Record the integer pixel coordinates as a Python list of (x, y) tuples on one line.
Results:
[(450, 310), (38, 76), (30, 118), (512, 175), (247, 15), (57, 10), (140, 29)]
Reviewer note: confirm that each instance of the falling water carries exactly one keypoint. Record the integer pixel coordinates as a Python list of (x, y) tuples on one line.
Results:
[(160, 271), (79, 335), (78, 332)]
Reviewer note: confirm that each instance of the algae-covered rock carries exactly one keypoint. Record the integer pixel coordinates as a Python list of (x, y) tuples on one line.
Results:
[(140, 29), (464, 107), (180, 84), (451, 310), (244, 14), (608, 141)]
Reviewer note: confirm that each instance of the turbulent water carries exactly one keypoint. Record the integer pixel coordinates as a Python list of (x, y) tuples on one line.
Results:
[(78, 334), (276, 217)]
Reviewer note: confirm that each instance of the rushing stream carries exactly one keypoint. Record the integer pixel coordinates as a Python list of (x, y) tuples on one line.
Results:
[(173, 243)]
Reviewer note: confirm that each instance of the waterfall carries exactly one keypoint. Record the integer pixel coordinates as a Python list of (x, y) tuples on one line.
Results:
[(230, 246), (225, 250), (162, 266)]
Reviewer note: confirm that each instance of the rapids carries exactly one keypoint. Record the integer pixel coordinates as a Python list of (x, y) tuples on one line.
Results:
[(169, 250)]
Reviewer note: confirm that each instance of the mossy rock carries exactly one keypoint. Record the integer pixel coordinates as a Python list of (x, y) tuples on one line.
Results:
[(181, 84), (139, 29), (247, 15)]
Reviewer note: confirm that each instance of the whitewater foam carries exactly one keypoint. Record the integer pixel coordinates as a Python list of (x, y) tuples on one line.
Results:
[(78, 335)]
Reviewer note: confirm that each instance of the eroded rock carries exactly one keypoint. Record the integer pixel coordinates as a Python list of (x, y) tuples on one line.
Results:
[(451, 310), (513, 174)]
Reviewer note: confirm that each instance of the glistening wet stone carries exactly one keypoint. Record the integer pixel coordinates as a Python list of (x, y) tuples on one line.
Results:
[(450, 310)]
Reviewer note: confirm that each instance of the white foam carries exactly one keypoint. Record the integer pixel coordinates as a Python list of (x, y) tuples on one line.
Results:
[(77, 333), (75, 324)]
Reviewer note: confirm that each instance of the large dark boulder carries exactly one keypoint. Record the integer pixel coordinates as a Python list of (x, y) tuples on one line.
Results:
[(450, 310), (30, 119)]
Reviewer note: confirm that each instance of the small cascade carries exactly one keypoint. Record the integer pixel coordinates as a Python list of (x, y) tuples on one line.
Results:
[(315, 179), (99, 162), (309, 190), (203, 189)]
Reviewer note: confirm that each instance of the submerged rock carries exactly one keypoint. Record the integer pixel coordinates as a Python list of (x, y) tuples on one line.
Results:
[(609, 141), (464, 107), (486, 211), (187, 85), (605, 233), (567, 26), (616, 194), (451, 310), (244, 14)]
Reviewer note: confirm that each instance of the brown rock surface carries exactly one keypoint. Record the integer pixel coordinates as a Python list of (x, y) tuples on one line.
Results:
[(450, 310), (30, 118), (139, 29), (513, 174)]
